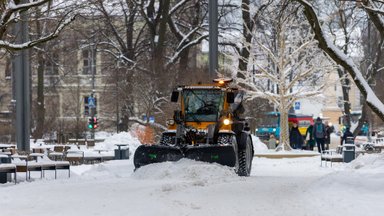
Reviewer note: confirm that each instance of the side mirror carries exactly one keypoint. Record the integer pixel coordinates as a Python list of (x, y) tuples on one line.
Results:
[(177, 116), (175, 96), (230, 97)]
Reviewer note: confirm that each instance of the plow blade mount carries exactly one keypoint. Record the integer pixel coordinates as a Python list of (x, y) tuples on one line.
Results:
[(147, 154), (224, 155)]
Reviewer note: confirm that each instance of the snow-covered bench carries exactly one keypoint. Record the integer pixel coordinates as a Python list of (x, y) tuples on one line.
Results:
[(9, 168), (23, 165), (75, 156), (41, 164), (57, 153), (82, 157), (332, 155), (48, 164)]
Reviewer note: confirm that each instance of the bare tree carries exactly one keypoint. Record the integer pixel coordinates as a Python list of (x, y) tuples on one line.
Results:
[(145, 40), (295, 66)]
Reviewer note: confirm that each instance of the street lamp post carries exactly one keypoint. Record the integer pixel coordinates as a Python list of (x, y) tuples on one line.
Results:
[(213, 37), (21, 68), (93, 70)]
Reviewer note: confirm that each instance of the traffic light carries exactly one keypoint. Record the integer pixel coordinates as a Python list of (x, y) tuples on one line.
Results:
[(92, 123), (95, 123)]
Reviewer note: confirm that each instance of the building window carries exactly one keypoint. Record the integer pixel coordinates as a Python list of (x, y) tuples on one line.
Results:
[(89, 61)]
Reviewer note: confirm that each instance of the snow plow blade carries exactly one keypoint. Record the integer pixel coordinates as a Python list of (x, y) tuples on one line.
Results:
[(224, 155), (148, 154)]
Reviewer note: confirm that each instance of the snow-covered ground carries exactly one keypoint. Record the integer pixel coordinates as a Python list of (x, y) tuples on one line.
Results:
[(276, 187)]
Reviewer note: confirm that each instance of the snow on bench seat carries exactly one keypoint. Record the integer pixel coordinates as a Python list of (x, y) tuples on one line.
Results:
[(9, 168), (5, 167), (333, 155), (41, 164)]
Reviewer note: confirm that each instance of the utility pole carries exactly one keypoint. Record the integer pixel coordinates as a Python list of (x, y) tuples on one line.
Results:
[(213, 37), (93, 69), (21, 70)]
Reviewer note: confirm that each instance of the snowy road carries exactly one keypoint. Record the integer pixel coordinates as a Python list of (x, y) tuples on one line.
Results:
[(276, 187)]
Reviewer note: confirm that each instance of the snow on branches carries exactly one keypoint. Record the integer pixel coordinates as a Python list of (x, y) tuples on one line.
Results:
[(10, 14), (284, 66), (344, 60)]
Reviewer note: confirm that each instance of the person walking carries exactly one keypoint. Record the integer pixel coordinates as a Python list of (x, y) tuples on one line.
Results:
[(328, 129), (309, 137), (346, 134), (319, 134), (272, 142), (295, 138)]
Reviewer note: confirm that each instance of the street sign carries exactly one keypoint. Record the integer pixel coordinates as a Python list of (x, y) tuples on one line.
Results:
[(91, 102), (297, 105), (151, 119)]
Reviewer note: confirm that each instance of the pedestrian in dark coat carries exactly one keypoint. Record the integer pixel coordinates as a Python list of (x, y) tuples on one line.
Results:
[(346, 134), (319, 134), (309, 138), (295, 138), (328, 129)]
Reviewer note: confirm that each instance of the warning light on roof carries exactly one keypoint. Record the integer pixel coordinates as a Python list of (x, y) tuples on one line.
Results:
[(222, 81)]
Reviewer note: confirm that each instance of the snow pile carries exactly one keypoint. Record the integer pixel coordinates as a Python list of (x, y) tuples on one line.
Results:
[(119, 138), (102, 134), (355, 186), (369, 163), (107, 170), (258, 146), (186, 169)]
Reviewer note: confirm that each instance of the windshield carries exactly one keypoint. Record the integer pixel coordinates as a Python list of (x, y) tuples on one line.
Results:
[(203, 104)]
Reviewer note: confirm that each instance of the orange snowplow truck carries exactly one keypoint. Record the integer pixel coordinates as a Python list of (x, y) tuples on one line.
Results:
[(207, 128)]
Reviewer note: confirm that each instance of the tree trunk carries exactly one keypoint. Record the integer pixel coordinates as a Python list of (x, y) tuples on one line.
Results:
[(183, 63), (284, 131), (40, 108), (159, 47), (247, 28), (346, 103)]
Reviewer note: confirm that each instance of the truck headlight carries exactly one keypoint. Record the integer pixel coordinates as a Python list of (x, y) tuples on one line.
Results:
[(170, 122)]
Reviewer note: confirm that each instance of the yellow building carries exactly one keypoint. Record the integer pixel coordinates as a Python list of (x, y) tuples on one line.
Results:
[(333, 99)]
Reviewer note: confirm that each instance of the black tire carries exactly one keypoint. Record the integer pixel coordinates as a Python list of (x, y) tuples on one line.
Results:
[(245, 156), (230, 139)]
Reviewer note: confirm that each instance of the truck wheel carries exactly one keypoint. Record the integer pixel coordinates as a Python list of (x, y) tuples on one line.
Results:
[(245, 156), (229, 139)]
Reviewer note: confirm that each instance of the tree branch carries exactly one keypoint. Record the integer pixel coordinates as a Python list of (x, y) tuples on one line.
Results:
[(343, 60)]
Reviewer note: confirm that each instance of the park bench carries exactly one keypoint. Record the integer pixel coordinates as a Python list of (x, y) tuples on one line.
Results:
[(57, 153), (9, 168), (41, 165), (6, 168), (332, 155)]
